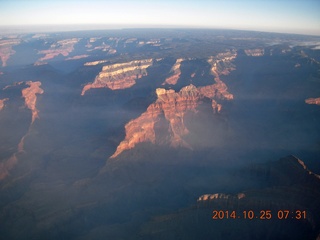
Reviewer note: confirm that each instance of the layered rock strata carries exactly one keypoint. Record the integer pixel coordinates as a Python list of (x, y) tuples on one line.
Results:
[(120, 75), (172, 107)]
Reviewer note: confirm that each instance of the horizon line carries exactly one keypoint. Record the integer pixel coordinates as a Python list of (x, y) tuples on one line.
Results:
[(43, 28)]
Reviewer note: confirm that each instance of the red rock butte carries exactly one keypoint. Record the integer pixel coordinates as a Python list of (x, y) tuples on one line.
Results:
[(120, 75), (172, 107)]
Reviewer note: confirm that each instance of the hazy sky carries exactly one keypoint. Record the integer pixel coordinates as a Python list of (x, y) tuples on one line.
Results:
[(297, 16)]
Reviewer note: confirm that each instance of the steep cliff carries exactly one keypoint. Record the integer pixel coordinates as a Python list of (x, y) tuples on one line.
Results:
[(220, 65), (171, 108), (30, 96), (120, 75), (174, 73), (313, 101)]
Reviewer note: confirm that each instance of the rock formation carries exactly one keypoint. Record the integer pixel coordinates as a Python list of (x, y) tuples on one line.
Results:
[(6, 49), (2, 101), (30, 96), (63, 47), (94, 63), (120, 75), (175, 73), (77, 57), (313, 101), (172, 107)]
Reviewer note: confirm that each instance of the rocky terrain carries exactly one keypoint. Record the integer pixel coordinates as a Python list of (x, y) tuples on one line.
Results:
[(29, 93), (6, 49), (290, 187), (192, 119), (120, 75), (168, 112), (63, 47), (174, 72)]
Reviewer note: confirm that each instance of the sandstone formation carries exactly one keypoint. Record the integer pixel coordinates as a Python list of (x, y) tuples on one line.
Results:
[(120, 75), (30, 96), (2, 101), (254, 52), (77, 57), (221, 64), (313, 101), (175, 73), (63, 47), (6, 49), (95, 63), (171, 106)]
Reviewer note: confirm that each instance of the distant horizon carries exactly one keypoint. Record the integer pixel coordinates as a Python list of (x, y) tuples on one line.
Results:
[(51, 28), (294, 17)]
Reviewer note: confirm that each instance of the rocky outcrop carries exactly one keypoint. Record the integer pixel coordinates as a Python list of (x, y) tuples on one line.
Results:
[(2, 101), (63, 47), (313, 101), (171, 107), (77, 57), (30, 96), (94, 63), (120, 75), (220, 65), (174, 73), (254, 52), (6, 49)]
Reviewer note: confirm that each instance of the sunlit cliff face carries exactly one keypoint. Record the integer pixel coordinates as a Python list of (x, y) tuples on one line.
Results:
[(120, 75), (172, 106)]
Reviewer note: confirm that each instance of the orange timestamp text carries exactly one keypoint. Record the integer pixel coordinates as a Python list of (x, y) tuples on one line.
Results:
[(262, 214)]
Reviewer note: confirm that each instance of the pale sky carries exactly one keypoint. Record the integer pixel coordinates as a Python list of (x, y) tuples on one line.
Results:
[(293, 16)]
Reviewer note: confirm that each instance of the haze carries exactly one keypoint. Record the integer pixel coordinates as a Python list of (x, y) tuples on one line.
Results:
[(277, 16)]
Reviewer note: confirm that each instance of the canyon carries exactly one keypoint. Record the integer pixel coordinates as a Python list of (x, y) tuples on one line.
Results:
[(171, 107)]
